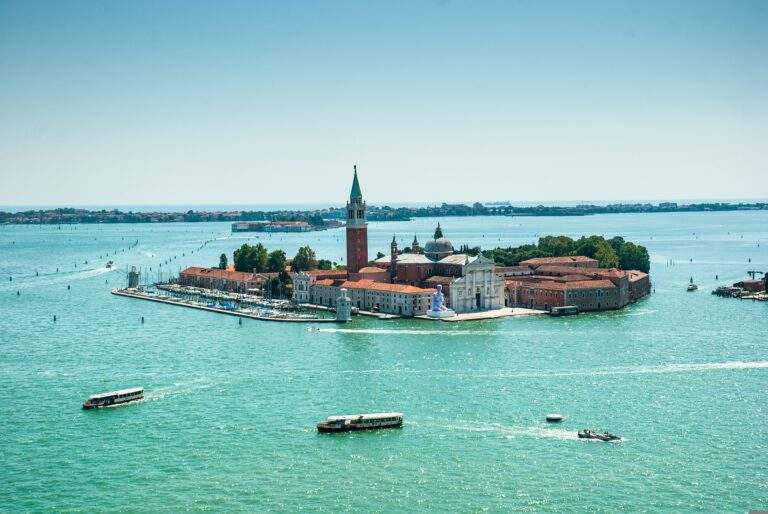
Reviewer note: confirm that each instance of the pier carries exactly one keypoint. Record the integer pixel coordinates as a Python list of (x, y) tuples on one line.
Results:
[(142, 295)]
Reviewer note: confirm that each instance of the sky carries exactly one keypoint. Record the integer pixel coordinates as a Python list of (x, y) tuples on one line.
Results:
[(256, 102)]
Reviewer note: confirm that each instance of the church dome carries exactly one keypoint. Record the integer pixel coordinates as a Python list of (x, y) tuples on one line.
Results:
[(441, 245)]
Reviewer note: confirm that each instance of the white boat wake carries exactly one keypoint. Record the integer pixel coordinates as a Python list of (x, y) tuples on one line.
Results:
[(622, 370)]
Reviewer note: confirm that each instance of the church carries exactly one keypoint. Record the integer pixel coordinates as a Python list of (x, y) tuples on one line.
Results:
[(403, 283)]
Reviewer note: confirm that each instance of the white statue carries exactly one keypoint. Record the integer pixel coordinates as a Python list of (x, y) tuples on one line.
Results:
[(439, 310)]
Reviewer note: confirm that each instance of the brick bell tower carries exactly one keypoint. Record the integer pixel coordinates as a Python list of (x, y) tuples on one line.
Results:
[(357, 229)]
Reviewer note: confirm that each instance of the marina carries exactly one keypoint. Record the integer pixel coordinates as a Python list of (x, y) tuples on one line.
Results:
[(258, 314)]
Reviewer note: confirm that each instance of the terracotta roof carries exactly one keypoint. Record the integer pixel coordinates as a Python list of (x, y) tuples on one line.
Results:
[(513, 269), (540, 261), (552, 285), (371, 269), (325, 282), (573, 270), (238, 276), (383, 286), (326, 272)]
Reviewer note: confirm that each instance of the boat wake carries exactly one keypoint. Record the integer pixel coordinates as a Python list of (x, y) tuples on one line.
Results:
[(515, 431), (384, 331), (178, 389), (64, 277), (624, 370)]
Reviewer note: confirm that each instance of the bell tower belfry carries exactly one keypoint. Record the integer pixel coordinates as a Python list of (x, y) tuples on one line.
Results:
[(357, 229)]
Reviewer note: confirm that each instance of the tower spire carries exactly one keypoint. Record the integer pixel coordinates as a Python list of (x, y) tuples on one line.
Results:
[(355, 193)]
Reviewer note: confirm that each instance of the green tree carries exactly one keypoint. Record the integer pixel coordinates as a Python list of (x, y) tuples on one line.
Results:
[(251, 258), (379, 255), (605, 256), (223, 261), (324, 264), (556, 246), (276, 261), (305, 259), (634, 256)]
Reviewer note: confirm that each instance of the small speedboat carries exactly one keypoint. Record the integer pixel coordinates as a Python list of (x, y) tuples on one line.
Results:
[(554, 418), (591, 434), (692, 286), (110, 264)]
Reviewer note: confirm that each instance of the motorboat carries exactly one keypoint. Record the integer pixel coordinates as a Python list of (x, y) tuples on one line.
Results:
[(361, 422), (692, 286), (554, 418), (591, 434), (110, 264)]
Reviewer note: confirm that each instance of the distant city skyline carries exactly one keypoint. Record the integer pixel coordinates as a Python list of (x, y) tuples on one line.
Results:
[(241, 103)]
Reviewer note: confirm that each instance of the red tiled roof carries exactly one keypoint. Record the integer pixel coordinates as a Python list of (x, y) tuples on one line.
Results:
[(371, 269), (574, 270), (326, 273), (238, 276), (540, 261), (383, 286), (552, 285)]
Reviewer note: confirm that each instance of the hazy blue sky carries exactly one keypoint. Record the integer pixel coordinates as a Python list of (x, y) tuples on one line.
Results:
[(139, 102)]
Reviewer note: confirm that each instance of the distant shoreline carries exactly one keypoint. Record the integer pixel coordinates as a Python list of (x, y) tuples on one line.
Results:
[(66, 216)]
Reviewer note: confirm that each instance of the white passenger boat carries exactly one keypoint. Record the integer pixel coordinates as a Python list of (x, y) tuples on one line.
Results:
[(361, 422), (114, 398)]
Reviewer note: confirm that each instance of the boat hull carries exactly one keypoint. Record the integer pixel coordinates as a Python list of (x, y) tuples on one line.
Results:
[(89, 406), (321, 427)]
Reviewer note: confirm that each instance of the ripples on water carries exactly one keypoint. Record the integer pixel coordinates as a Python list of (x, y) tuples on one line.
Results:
[(228, 422)]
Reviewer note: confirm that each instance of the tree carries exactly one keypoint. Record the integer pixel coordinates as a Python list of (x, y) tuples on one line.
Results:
[(223, 261), (324, 264), (276, 261), (379, 255), (632, 256), (605, 256), (305, 259), (251, 258), (556, 246)]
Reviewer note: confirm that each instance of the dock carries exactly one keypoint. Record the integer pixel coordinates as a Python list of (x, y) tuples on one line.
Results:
[(174, 301), (379, 315), (504, 312)]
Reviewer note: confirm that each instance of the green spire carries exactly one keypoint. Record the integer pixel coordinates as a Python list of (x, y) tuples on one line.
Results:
[(356, 193)]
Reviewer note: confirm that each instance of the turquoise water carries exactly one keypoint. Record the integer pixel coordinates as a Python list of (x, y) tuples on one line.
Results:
[(228, 423)]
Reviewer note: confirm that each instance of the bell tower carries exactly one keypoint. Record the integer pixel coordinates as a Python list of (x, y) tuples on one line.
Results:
[(393, 260), (357, 229)]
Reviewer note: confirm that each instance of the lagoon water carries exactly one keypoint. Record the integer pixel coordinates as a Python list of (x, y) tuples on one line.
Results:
[(228, 422)]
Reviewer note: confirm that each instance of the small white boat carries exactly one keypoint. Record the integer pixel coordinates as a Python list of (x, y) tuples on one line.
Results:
[(114, 398), (692, 286), (361, 422), (554, 418)]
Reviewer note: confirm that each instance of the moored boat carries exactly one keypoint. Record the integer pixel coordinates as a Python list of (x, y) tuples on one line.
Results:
[(554, 418), (361, 422), (114, 398), (692, 286)]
